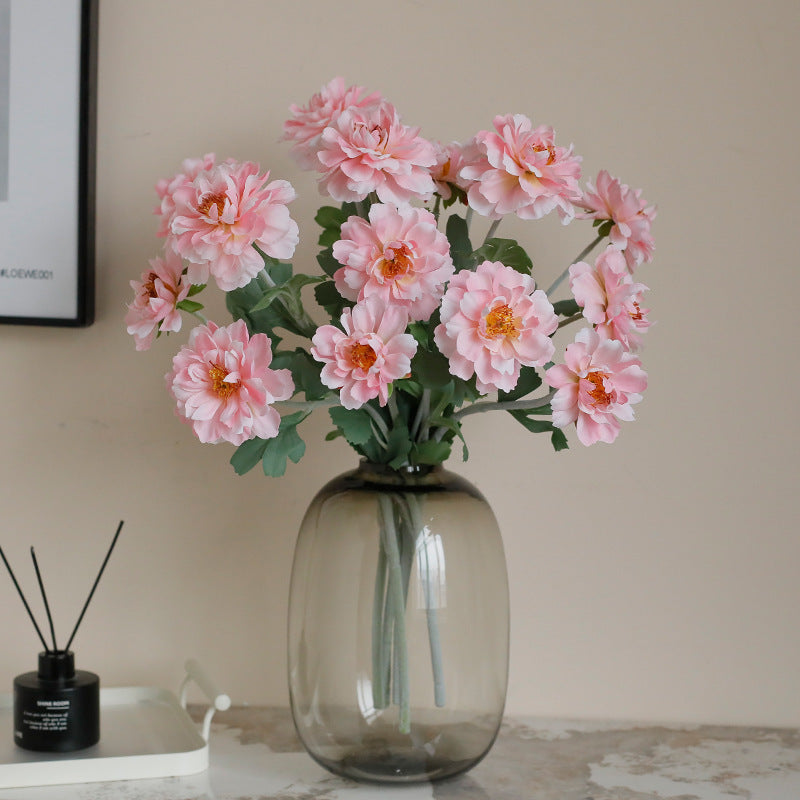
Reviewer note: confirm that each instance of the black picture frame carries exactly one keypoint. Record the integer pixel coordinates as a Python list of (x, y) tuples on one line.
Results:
[(52, 282)]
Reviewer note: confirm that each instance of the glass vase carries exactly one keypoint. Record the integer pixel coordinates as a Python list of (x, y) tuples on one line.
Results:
[(398, 625)]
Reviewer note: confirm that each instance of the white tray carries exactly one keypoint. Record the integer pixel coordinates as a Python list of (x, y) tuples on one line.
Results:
[(144, 733)]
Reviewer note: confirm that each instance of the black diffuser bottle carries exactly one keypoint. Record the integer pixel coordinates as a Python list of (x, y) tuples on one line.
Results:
[(56, 708)]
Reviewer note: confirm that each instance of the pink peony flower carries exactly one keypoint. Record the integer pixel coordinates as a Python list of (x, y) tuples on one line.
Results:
[(399, 256), (369, 150), (224, 387), (610, 299), (222, 213), (308, 122), (157, 294), (520, 170), (494, 321), (631, 215), (446, 172), (166, 188), (372, 351), (596, 387)]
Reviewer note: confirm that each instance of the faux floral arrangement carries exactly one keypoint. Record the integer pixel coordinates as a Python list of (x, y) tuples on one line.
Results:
[(423, 328)]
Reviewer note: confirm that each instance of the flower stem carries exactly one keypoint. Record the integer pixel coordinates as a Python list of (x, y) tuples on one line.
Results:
[(492, 230), (310, 405), (422, 411), (585, 252), (468, 217), (423, 539), (380, 424), (397, 607), (568, 320), (378, 650), (505, 405)]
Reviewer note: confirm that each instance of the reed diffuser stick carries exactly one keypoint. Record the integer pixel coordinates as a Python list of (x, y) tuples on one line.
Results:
[(44, 597), (96, 581), (24, 601)]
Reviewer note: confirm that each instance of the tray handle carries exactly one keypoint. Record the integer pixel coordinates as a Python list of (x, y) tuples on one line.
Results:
[(219, 701)]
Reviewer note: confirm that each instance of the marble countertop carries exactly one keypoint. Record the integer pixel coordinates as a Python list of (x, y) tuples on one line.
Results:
[(255, 755)]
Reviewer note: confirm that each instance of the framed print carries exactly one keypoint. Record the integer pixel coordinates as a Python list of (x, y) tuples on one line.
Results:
[(48, 56)]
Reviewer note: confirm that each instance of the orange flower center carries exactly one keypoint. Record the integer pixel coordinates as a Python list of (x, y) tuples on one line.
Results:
[(551, 152), (501, 321), (599, 394), (363, 356), (149, 286), (222, 388), (215, 199), (398, 263)]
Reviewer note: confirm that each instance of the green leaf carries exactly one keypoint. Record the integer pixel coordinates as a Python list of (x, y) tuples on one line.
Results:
[(328, 263), (430, 452), (331, 435), (460, 245), (604, 226), (196, 288), (355, 424), (330, 217), (189, 305), (431, 368), (248, 454), (420, 332), (533, 425), (240, 301), (506, 251), (279, 272), (398, 446), (464, 390), (328, 297), (329, 236), (287, 445), (306, 375), (289, 292), (567, 308), (529, 380), (408, 386), (559, 440), (457, 195)]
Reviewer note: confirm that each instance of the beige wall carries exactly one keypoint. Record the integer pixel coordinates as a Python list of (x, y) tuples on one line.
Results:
[(654, 579)]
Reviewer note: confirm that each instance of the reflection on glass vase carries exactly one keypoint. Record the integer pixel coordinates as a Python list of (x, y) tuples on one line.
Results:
[(398, 625)]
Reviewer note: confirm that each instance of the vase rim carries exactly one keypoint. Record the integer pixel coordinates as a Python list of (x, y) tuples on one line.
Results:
[(407, 470)]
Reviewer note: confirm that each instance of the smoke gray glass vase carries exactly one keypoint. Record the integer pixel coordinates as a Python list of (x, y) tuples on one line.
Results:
[(398, 626)]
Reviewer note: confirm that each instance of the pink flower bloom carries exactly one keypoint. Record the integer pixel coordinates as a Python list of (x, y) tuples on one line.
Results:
[(308, 122), (610, 299), (166, 188), (399, 256), (157, 294), (222, 213), (494, 321), (596, 387), (446, 172), (520, 170), (631, 215), (372, 351), (224, 387), (369, 150)]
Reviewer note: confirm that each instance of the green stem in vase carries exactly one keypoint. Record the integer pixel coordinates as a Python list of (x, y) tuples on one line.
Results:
[(396, 605), (427, 576), (379, 699)]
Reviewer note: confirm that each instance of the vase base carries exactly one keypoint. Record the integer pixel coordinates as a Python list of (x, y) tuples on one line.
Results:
[(428, 754), (382, 768)]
